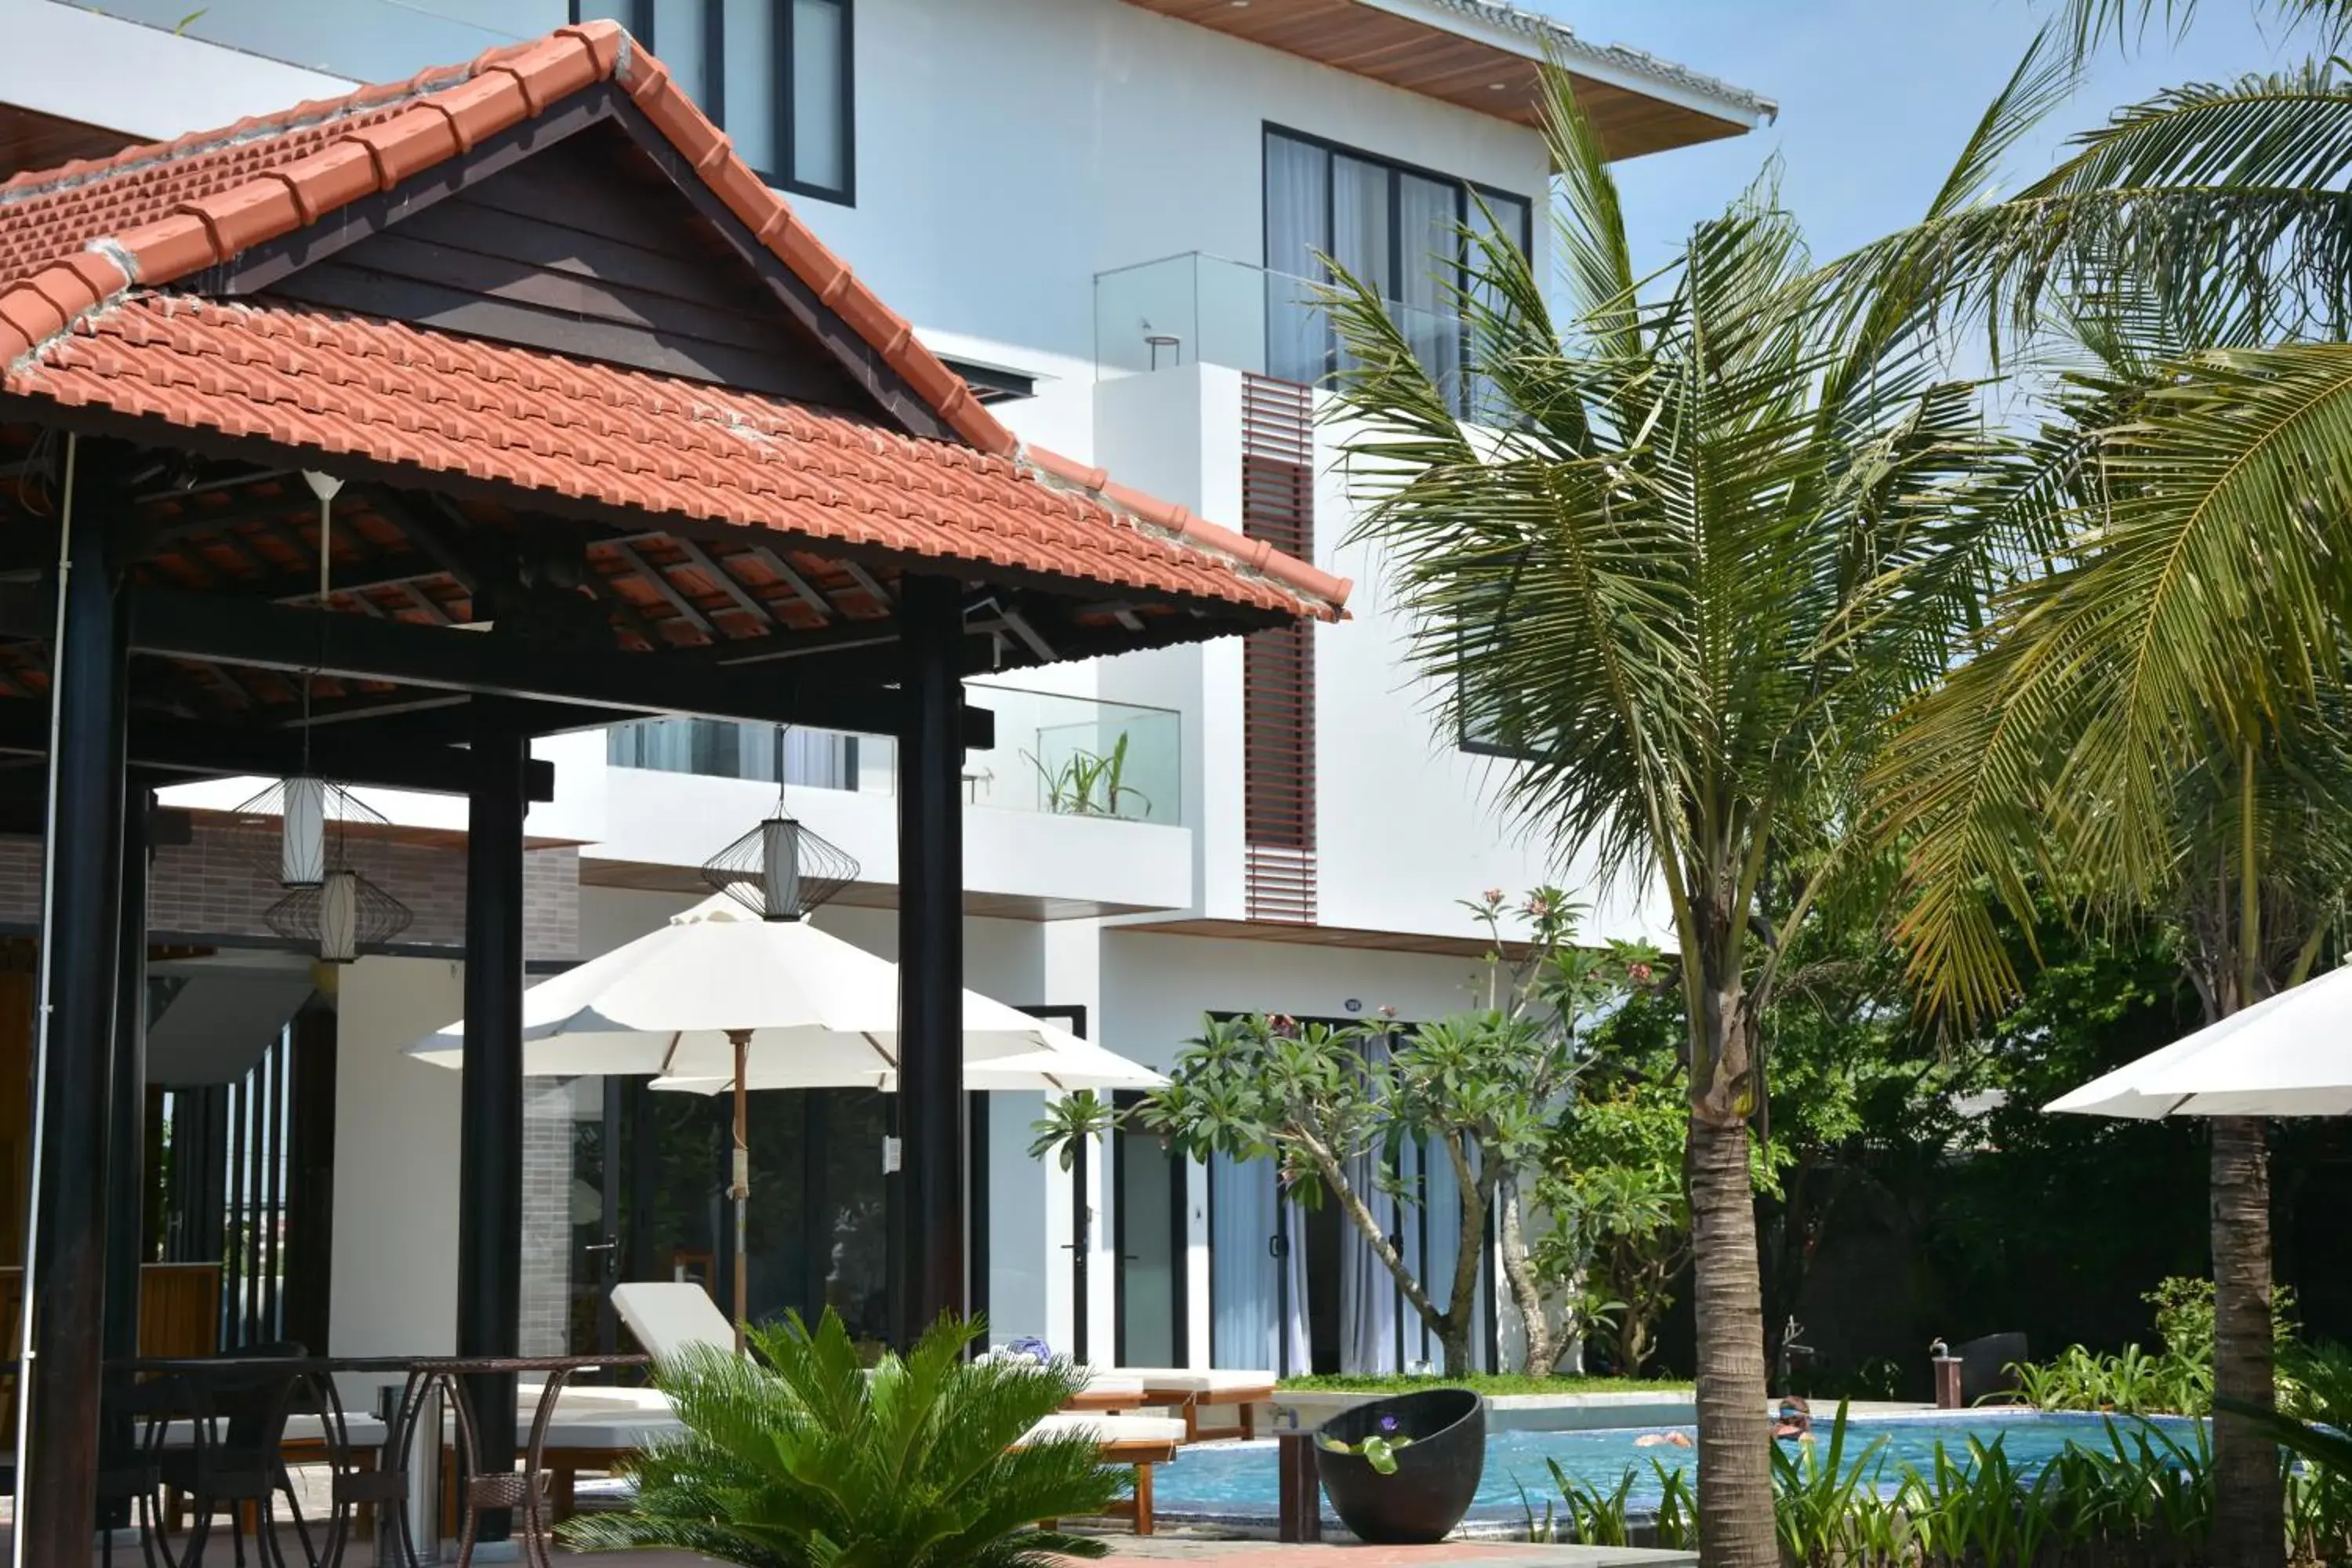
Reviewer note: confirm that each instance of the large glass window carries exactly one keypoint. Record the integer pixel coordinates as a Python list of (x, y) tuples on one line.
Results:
[(776, 75), (1395, 229)]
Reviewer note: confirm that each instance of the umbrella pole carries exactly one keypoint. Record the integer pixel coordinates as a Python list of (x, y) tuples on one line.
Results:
[(741, 1190)]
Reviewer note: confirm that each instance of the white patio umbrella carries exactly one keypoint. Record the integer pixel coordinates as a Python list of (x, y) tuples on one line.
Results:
[(719, 997), (2288, 1055), (1070, 1063)]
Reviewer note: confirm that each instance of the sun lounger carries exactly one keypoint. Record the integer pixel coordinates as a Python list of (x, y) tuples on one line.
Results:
[(1190, 1390)]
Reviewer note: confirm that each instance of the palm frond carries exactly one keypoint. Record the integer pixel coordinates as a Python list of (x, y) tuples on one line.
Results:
[(2230, 196), (2087, 25)]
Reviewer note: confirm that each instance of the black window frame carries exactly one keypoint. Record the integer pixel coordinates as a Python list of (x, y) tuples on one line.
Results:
[(1395, 168), (713, 96)]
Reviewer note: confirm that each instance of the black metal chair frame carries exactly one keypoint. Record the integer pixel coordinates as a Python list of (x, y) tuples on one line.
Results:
[(237, 1454)]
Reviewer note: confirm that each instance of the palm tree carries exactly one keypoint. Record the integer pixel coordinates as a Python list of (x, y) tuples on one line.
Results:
[(2157, 715), (1652, 574), (811, 1461), (2126, 732)]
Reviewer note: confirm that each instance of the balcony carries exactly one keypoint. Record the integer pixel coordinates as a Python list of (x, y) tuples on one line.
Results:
[(1055, 754), (1156, 315)]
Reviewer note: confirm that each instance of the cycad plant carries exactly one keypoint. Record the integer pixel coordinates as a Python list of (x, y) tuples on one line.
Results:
[(810, 1461), (1652, 576)]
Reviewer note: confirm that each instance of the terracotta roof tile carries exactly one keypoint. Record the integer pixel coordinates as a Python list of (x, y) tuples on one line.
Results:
[(394, 393), (75, 242)]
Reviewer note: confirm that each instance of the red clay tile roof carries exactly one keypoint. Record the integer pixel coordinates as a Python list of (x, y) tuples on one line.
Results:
[(82, 248)]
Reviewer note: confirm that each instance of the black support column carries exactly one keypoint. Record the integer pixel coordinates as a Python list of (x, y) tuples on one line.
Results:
[(126, 1137), (57, 1484), (930, 956), (489, 1170)]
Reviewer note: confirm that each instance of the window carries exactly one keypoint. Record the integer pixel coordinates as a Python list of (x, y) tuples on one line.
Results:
[(720, 748), (1395, 227), (776, 75)]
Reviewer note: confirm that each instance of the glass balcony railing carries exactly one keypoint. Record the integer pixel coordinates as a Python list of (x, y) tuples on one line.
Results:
[(1195, 307), (1061, 756), (1077, 756)]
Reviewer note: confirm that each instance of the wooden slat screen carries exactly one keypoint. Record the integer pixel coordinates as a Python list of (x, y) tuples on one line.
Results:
[(1278, 666)]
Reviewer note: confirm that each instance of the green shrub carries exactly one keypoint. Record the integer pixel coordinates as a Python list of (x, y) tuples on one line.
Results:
[(810, 1462)]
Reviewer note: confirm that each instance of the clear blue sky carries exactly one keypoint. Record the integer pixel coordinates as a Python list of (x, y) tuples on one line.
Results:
[(1876, 98)]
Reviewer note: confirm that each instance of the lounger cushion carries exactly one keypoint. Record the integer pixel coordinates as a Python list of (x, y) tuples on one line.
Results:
[(669, 1316), (1109, 1428), (1184, 1380)]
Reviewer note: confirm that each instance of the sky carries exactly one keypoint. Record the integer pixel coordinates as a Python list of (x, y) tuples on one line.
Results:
[(1877, 97)]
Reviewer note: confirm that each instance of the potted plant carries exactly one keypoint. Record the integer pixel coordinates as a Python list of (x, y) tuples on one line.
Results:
[(1403, 1471)]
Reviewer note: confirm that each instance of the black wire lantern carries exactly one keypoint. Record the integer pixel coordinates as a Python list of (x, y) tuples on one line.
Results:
[(780, 870), (341, 915)]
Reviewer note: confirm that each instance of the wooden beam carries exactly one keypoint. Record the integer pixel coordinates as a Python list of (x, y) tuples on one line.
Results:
[(275, 636)]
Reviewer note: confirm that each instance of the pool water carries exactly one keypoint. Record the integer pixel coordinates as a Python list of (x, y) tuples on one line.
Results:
[(1237, 1480)]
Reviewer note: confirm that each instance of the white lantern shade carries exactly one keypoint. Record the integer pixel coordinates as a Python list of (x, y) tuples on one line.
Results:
[(302, 832), (338, 917), (780, 866)]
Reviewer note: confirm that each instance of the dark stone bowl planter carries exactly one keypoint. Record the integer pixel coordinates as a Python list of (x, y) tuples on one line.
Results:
[(1436, 1474)]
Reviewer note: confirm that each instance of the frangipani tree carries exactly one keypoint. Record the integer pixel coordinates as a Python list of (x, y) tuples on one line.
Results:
[(1482, 1089)]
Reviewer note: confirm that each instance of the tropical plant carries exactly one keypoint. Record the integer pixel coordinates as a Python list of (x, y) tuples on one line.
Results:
[(2135, 1496), (1652, 580), (810, 1461), (1611, 1183), (1089, 784), (1333, 1105)]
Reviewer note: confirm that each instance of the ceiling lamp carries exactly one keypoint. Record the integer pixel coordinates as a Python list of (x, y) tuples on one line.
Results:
[(780, 870), (342, 915), (313, 819), (328, 904)]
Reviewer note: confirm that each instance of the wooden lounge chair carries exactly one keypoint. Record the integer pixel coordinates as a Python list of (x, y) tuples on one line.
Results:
[(1189, 1391)]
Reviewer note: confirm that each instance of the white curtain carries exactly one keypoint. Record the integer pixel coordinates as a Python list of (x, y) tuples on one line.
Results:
[(1297, 227), (1509, 214), (1247, 1327), (1368, 1292), (1428, 214)]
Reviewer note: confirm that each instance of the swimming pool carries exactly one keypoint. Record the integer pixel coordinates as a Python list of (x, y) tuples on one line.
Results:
[(1237, 1480)]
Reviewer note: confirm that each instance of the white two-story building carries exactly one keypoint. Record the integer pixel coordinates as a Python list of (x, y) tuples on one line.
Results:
[(1103, 213)]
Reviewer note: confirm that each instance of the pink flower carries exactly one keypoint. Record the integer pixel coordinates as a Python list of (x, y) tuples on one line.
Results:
[(1494, 895), (1282, 1024), (1639, 973), (1387, 1011)]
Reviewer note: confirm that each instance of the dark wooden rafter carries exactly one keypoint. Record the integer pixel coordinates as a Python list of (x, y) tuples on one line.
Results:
[(800, 587), (654, 577), (725, 582)]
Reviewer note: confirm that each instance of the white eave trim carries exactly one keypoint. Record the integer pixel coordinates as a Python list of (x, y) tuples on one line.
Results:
[(1524, 33)]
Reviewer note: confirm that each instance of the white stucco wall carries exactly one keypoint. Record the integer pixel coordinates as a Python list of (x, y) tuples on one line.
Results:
[(395, 1269)]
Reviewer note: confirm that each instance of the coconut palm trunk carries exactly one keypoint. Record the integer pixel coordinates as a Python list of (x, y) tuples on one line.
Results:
[(2248, 1515), (1735, 1429)]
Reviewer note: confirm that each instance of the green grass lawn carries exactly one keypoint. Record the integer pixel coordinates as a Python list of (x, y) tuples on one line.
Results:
[(1484, 1382)]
